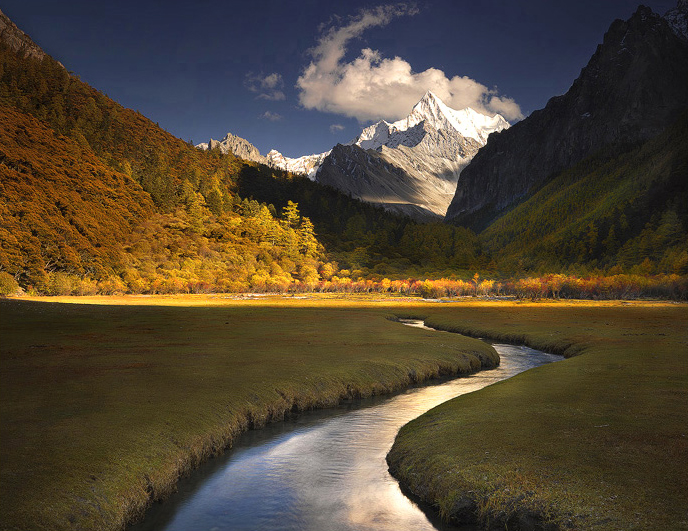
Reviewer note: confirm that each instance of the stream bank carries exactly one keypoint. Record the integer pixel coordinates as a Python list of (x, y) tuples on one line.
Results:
[(323, 469), (596, 442)]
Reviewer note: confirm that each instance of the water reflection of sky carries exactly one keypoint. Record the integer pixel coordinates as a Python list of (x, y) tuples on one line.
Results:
[(323, 472)]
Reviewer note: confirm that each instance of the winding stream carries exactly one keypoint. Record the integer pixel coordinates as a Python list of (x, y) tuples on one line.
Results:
[(324, 470)]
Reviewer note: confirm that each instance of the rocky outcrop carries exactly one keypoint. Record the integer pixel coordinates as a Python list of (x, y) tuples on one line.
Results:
[(240, 147), (17, 40), (634, 86)]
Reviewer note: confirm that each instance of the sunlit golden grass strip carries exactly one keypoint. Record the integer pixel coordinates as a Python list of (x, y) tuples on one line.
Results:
[(104, 405), (597, 441)]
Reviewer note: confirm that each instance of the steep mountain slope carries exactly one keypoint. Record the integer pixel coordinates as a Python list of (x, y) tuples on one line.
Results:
[(410, 166), (369, 176), (53, 218), (634, 86), (98, 197), (122, 138), (613, 212)]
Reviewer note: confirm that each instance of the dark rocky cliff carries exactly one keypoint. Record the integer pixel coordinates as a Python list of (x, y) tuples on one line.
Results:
[(635, 85), (17, 40)]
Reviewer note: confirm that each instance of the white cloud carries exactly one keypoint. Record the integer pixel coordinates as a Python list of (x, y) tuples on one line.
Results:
[(267, 87), (272, 116), (372, 87), (335, 128)]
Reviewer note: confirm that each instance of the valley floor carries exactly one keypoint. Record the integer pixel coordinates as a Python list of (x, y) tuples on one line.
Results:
[(107, 400)]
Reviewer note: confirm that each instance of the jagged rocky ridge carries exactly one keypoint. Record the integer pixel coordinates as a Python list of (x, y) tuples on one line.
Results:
[(634, 86), (240, 147)]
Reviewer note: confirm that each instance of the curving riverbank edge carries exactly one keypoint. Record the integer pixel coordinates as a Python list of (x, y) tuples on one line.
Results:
[(471, 361), (470, 506), (564, 446)]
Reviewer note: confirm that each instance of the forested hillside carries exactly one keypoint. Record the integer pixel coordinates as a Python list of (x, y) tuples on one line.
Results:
[(613, 212), (366, 239), (96, 197), (62, 208)]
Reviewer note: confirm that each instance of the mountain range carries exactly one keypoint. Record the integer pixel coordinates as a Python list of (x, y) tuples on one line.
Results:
[(410, 166), (634, 86), (556, 188), (95, 197)]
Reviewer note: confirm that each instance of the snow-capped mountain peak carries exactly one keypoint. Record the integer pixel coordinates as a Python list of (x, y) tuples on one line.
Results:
[(432, 111), (411, 165), (470, 123)]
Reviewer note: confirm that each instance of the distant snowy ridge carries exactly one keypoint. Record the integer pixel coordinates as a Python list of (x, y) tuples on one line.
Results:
[(306, 165), (242, 148), (431, 110)]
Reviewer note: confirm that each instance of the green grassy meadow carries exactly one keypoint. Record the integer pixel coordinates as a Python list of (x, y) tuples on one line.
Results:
[(597, 441), (104, 405), (106, 401)]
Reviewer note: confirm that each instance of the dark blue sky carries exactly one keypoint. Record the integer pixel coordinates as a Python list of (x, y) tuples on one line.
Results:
[(201, 69)]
